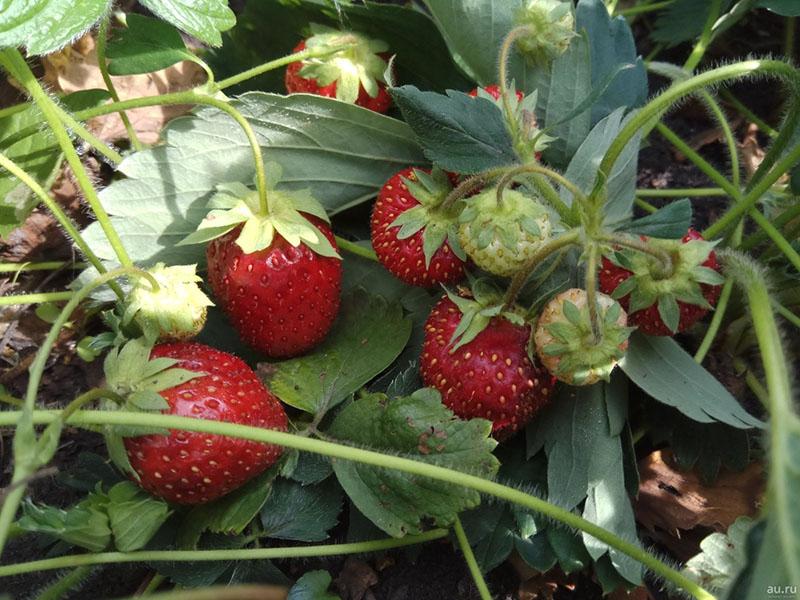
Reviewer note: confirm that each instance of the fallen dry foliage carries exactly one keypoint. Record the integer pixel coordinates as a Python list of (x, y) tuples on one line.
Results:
[(75, 69), (672, 502)]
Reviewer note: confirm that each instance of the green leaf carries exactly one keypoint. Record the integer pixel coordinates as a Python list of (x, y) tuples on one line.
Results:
[(231, 513), (145, 46), (537, 552), (669, 222), (44, 26), (569, 549), (366, 338), (566, 86), (312, 586), (134, 516), (786, 8), (660, 367), (722, 556), (204, 19), (458, 133), (342, 153), (302, 513), (582, 169), (611, 45), (683, 20), (83, 525), (418, 426), (490, 529)]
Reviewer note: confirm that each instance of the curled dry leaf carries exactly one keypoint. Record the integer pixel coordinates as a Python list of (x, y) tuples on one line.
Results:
[(677, 501), (355, 579), (75, 68)]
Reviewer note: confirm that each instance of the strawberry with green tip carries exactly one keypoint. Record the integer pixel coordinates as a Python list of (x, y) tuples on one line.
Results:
[(176, 311), (197, 381), (414, 236), (276, 275), (565, 341), (664, 299), (501, 237), (354, 74), (476, 355)]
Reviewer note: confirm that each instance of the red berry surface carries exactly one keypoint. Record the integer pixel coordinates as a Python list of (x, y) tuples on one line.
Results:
[(494, 91), (296, 83), (283, 299), (405, 258), (490, 377), (648, 320), (185, 467)]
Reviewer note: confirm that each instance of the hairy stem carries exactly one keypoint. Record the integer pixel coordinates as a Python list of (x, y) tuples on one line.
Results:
[(53, 265), (377, 459), (469, 558), (102, 40), (681, 192), (553, 199), (18, 299), (105, 558), (702, 43)]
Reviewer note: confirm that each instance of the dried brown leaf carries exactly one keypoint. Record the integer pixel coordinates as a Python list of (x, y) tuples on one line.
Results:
[(75, 68), (674, 501)]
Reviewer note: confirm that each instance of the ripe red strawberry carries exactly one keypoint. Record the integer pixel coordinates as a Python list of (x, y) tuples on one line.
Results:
[(413, 236), (494, 91), (283, 299), (190, 468), (490, 376), (354, 75), (661, 300)]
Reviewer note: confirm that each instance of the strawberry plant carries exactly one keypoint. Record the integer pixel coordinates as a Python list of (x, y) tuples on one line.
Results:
[(394, 278)]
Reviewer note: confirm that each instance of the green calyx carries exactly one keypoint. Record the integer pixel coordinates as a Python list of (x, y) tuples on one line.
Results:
[(552, 27), (529, 139), (437, 222), (132, 375), (235, 204), (358, 64), (483, 303), (566, 343), (501, 237), (175, 311), (654, 282)]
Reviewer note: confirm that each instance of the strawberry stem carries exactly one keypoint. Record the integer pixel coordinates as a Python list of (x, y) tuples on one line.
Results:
[(356, 249), (102, 558), (469, 185), (469, 558), (502, 76), (568, 238), (666, 260), (370, 457), (102, 35), (13, 62), (555, 200)]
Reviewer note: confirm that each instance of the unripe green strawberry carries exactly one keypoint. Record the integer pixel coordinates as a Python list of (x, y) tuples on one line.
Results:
[(502, 237), (176, 311), (566, 344), (552, 27)]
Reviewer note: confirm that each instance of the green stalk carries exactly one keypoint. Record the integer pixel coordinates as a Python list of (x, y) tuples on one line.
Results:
[(781, 242), (195, 97), (356, 249), (155, 581), (15, 64), (102, 39), (369, 457), (639, 9), (18, 299), (105, 558), (567, 238), (701, 46), (278, 63), (53, 206), (681, 192), (716, 322), (469, 558), (730, 140), (645, 205), (562, 209), (790, 214), (780, 406), (22, 469), (787, 314), (71, 123), (54, 265), (648, 115), (65, 584)]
